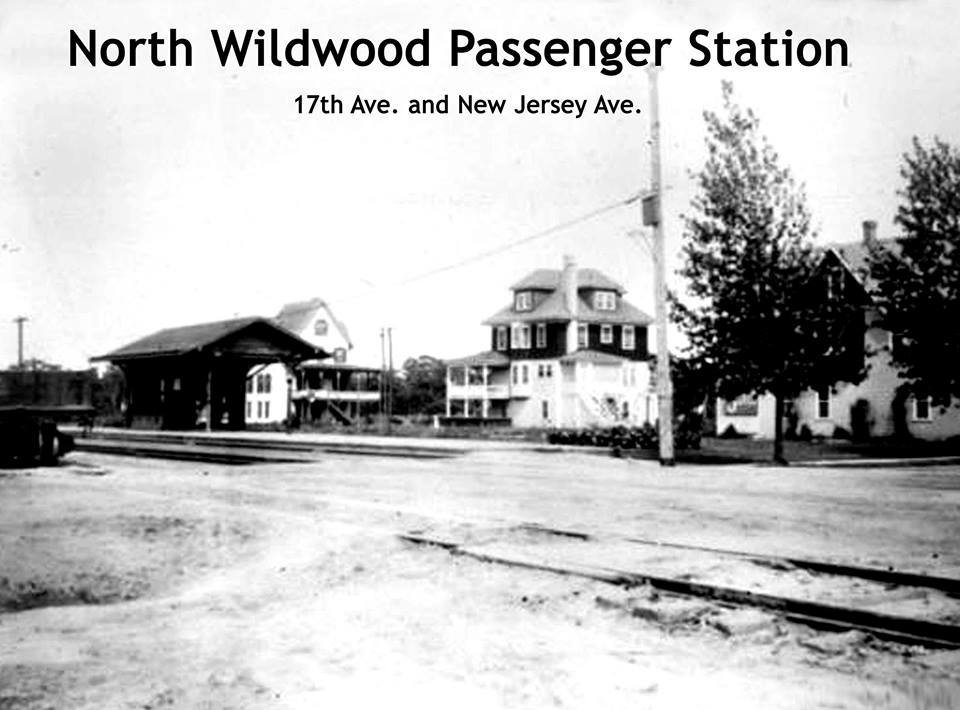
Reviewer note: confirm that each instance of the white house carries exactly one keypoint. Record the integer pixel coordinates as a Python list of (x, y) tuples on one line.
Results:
[(569, 351), (868, 406), (275, 392)]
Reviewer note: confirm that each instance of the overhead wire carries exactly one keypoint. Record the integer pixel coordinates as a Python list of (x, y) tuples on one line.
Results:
[(494, 251)]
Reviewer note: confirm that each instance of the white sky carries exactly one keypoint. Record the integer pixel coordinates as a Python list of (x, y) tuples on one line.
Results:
[(133, 199)]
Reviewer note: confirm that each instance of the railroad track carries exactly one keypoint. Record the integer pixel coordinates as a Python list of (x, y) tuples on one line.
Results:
[(239, 450), (891, 605)]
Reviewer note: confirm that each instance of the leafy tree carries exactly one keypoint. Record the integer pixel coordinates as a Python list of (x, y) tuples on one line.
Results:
[(759, 319), (917, 280), (421, 388)]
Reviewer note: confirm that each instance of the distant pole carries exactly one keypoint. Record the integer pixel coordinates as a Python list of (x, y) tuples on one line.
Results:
[(381, 403), (664, 384), (390, 380), (20, 320)]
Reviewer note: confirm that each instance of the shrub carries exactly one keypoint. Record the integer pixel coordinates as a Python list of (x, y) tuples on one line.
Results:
[(840, 433), (731, 433)]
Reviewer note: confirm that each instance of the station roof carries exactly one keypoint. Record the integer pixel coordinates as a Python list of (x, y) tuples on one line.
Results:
[(205, 336)]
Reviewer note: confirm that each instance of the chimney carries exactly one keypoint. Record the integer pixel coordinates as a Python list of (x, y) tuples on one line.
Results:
[(568, 282), (869, 231)]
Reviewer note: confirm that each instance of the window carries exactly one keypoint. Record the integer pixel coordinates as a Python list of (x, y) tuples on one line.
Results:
[(834, 285), (605, 300), (522, 301), (176, 384), (629, 337), (746, 405), (266, 383), (823, 403), (250, 384), (606, 334), (259, 383), (516, 374), (583, 336), (266, 410), (541, 335), (544, 370), (502, 337), (526, 374), (921, 408), (259, 410), (625, 413), (249, 409), (521, 336), (545, 409), (340, 355), (320, 326)]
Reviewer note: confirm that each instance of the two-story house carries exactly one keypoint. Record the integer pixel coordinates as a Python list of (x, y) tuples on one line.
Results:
[(868, 408), (568, 351), (315, 389)]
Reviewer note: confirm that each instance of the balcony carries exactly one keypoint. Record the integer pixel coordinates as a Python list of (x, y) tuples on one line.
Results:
[(330, 395)]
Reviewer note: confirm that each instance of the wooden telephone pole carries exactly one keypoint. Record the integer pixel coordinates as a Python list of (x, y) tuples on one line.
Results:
[(653, 216), (20, 320)]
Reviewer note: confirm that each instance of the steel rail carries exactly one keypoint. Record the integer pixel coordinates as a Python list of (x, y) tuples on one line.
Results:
[(899, 629)]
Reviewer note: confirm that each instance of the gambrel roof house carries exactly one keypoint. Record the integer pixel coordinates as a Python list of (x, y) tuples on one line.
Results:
[(866, 408), (568, 350)]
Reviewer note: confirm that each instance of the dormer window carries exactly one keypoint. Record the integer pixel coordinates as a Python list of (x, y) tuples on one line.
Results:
[(523, 301), (320, 326), (605, 300)]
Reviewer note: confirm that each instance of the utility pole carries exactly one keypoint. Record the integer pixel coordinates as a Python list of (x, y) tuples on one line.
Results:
[(390, 380), (383, 378), (653, 214), (20, 320)]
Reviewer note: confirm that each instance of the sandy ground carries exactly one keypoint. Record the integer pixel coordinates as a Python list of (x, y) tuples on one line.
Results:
[(130, 583)]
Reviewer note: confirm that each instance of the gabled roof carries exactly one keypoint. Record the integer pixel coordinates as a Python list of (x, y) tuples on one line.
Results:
[(854, 256), (298, 316), (553, 309), (549, 280), (184, 339)]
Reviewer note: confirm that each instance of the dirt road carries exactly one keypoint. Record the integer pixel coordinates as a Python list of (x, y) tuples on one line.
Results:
[(131, 583)]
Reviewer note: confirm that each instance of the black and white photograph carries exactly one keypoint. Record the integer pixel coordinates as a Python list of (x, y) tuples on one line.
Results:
[(546, 354)]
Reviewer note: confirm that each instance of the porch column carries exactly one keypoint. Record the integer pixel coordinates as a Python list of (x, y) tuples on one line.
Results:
[(485, 406), (449, 383)]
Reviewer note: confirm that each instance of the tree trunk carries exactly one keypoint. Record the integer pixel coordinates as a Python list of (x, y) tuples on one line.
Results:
[(901, 430), (778, 456)]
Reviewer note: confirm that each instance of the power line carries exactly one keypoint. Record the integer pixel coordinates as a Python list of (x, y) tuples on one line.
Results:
[(560, 226)]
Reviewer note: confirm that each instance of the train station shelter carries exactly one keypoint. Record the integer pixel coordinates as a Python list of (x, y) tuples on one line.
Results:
[(195, 376)]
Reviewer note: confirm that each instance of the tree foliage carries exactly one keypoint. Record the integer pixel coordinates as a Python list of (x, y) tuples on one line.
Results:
[(421, 388), (917, 280), (758, 319)]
